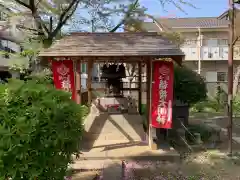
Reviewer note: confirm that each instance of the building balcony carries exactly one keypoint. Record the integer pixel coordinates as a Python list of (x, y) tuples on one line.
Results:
[(214, 53), (208, 53), (191, 53)]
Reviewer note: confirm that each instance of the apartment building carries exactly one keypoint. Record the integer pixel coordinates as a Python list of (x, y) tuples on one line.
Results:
[(205, 44), (8, 47)]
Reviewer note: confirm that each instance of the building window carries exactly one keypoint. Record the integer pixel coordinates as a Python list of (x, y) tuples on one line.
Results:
[(210, 42), (222, 42), (221, 76), (83, 68), (211, 76), (190, 42), (3, 16)]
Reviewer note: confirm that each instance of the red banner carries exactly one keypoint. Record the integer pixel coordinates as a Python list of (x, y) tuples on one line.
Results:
[(63, 76), (162, 94)]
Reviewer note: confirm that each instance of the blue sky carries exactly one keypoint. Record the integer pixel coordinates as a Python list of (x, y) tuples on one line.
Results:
[(205, 8)]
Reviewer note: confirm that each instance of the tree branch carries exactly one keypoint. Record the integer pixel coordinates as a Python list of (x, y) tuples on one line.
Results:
[(37, 18), (23, 4), (32, 7), (127, 15), (235, 40), (27, 28), (158, 24), (64, 17)]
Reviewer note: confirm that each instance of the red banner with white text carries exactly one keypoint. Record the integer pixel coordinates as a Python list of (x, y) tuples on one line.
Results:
[(63, 76), (162, 94)]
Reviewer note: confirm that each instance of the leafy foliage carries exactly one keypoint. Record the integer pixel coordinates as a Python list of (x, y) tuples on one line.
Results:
[(236, 105), (189, 87), (40, 130), (39, 23), (214, 104), (43, 77)]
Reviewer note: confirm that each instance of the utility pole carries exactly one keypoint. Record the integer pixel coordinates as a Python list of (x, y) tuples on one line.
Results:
[(230, 73)]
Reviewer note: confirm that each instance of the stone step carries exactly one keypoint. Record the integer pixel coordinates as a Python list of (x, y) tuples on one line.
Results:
[(118, 155), (85, 175), (123, 129), (108, 169), (99, 164), (110, 137), (88, 165), (116, 169), (112, 124)]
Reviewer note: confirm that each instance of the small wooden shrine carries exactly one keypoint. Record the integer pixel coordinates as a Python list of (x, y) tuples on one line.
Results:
[(90, 48)]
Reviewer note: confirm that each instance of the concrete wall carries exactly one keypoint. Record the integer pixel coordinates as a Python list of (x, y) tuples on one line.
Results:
[(210, 66)]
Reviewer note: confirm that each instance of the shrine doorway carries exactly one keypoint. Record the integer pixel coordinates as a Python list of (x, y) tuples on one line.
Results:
[(114, 49), (119, 87), (117, 98)]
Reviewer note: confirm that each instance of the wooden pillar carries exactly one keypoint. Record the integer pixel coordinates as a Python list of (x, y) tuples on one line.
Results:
[(78, 81), (151, 144), (89, 81), (140, 87)]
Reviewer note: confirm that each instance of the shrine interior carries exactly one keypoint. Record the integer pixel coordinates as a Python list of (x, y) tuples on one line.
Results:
[(116, 87)]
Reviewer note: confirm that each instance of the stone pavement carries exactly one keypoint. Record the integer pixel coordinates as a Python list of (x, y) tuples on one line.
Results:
[(110, 161), (109, 139)]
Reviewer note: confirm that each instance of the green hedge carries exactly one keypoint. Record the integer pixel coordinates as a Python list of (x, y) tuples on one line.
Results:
[(40, 130)]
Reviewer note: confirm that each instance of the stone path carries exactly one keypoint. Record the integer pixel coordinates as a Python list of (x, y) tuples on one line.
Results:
[(109, 139)]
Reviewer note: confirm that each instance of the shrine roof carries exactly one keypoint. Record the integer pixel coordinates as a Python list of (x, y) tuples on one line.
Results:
[(112, 44)]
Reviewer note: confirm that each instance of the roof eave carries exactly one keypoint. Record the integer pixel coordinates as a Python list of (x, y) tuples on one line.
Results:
[(199, 27), (223, 15)]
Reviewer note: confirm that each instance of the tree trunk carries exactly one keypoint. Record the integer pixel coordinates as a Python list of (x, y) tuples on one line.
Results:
[(236, 81), (47, 43)]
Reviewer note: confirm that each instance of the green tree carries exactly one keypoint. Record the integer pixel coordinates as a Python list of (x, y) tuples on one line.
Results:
[(42, 22), (40, 127), (49, 17)]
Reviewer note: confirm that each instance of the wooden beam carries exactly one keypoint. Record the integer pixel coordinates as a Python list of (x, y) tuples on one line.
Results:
[(128, 89), (78, 81), (89, 81), (151, 144), (140, 87), (148, 107)]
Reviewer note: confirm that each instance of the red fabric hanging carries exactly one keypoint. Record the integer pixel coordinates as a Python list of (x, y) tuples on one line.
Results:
[(63, 76), (162, 94)]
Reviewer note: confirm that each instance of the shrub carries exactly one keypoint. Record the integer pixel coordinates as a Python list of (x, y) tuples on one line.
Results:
[(40, 130), (209, 105), (203, 130), (43, 77), (236, 105), (189, 87), (199, 107)]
